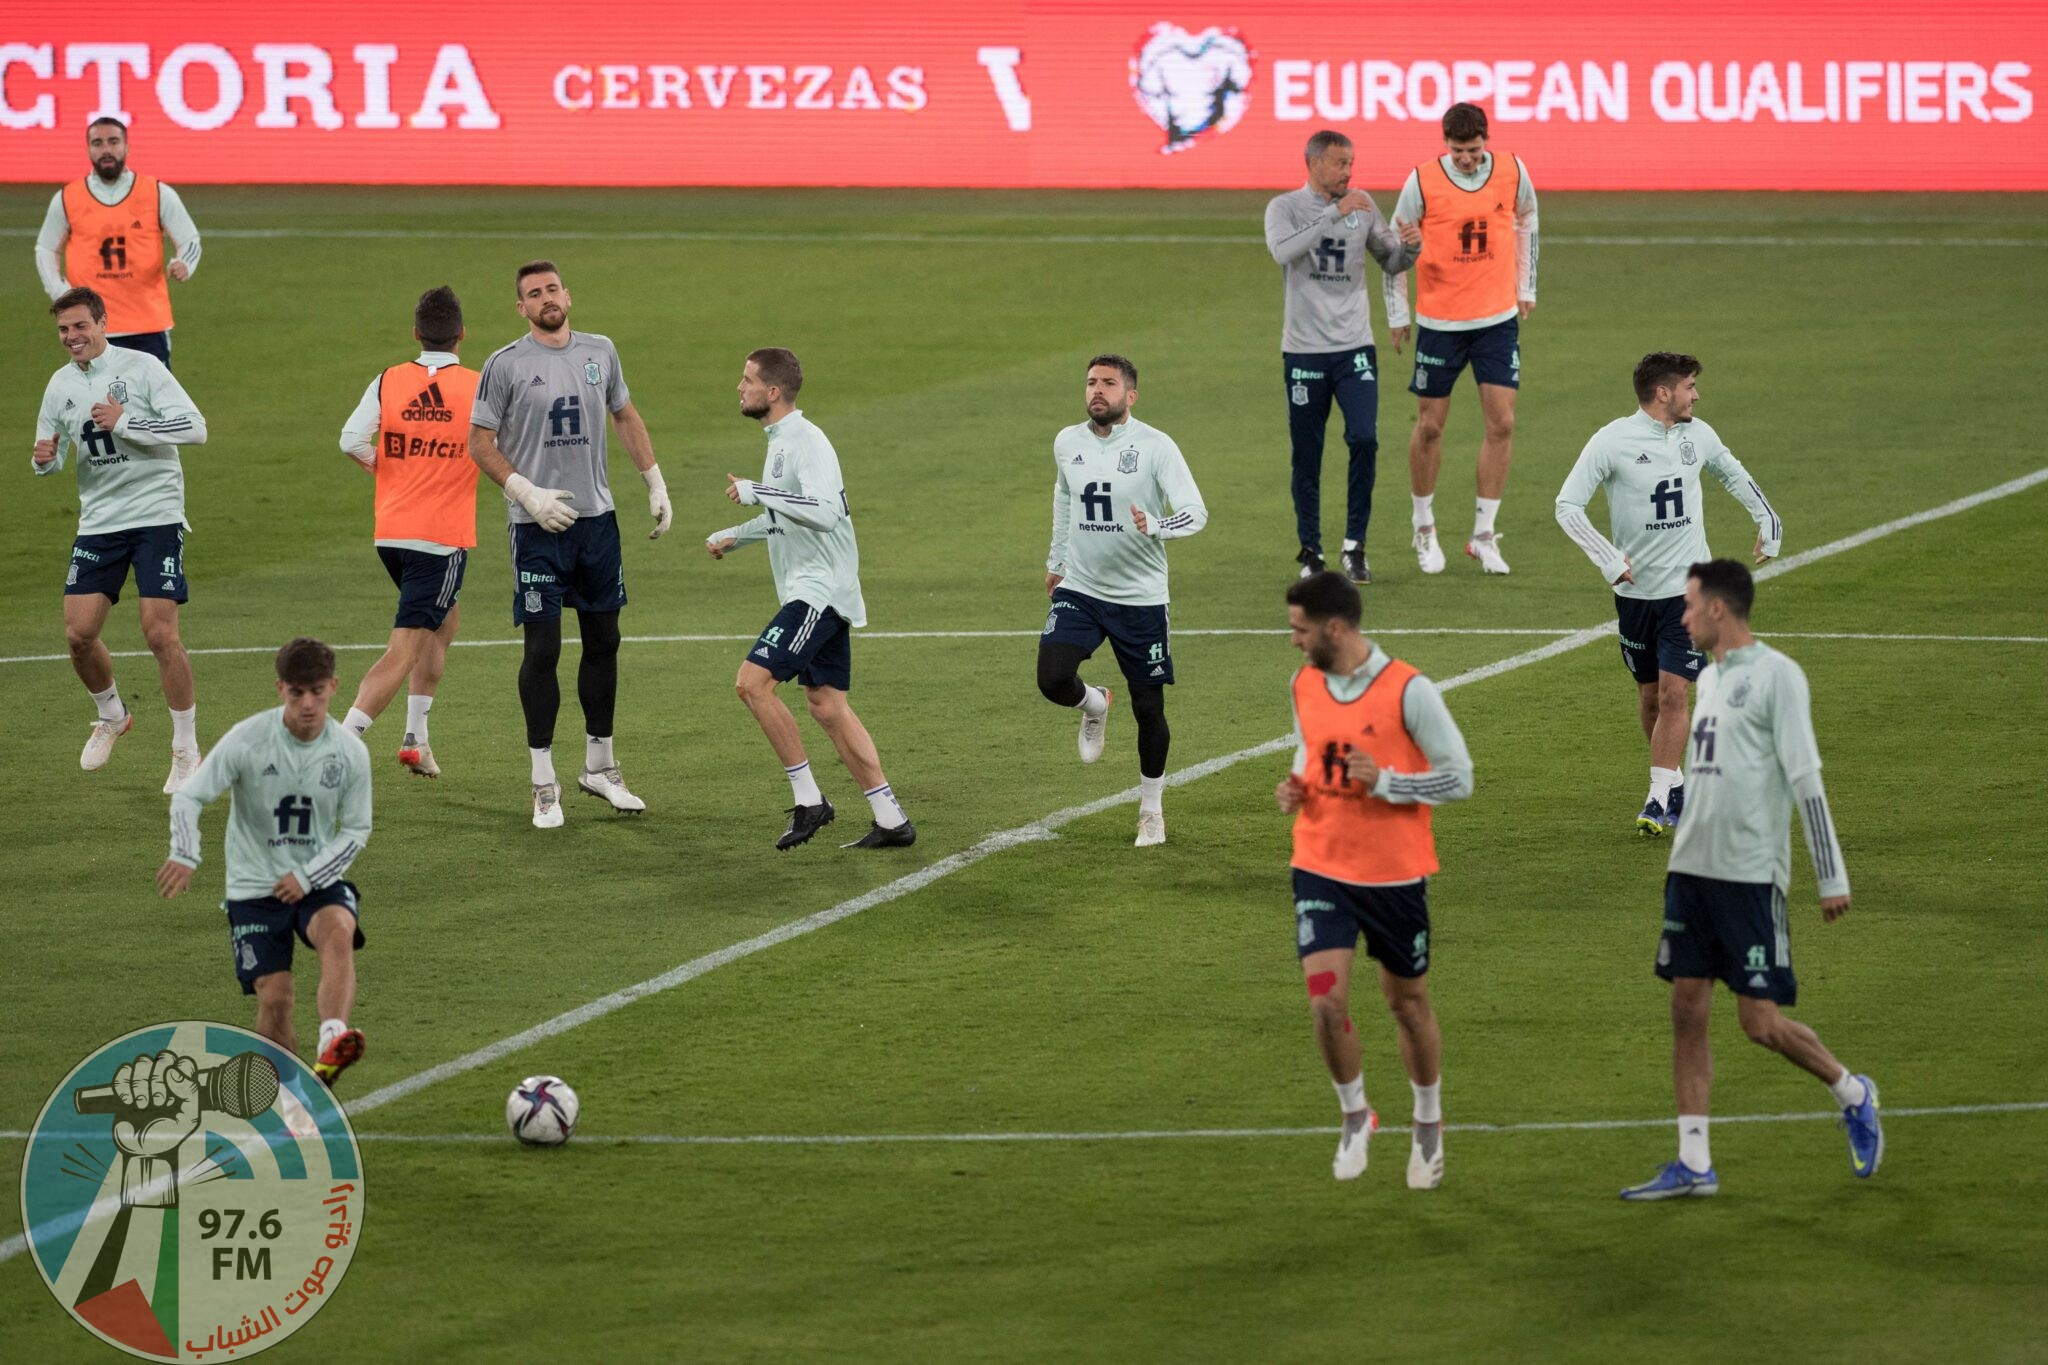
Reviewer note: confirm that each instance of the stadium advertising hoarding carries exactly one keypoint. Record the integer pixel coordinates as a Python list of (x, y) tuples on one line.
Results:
[(1803, 94)]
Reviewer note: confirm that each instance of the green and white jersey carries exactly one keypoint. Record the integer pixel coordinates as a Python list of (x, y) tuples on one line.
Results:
[(1655, 503), (1753, 755), (295, 806), (1095, 482), (808, 527), (129, 476)]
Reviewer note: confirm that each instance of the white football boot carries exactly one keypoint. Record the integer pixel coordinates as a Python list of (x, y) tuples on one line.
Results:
[(418, 756), (184, 762), (547, 805), (1486, 549), (1349, 1163), (1428, 554), (99, 745), (1151, 829), (610, 785), (1093, 727), (1426, 1156)]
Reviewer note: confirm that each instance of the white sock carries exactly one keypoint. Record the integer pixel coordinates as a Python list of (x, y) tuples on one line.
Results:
[(416, 708), (1692, 1143), (543, 766), (1094, 701), (1429, 1102), (1482, 520), (330, 1029), (1150, 791), (109, 703), (597, 753), (1351, 1094), (185, 728), (1350, 544), (358, 722), (882, 801), (1424, 513), (1662, 780), (802, 786), (1848, 1091)]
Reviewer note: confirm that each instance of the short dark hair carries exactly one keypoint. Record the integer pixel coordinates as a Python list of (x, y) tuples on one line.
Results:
[(779, 367), (1324, 595), (1463, 122), (79, 296), (1115, 361), (532, 268), (437, 317), (1663, 367), (1729, 580), (305, 662), (105, 118), (1321, 142)]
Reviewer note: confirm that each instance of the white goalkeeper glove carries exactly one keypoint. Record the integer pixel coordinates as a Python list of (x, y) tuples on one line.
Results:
[(657, 501), (549, 507)]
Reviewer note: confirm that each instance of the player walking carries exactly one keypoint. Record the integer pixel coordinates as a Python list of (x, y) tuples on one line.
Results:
[(1645, 463), (124, 416), (1375, 748), (816, 563), (1106, 574), (1320, 234), (537, 431), (411, 430), (298, 817), (1475, 284), (106, 233), (1753, 758)]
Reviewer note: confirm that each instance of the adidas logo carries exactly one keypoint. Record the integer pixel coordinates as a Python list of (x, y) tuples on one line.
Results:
[(169, 586), (69, 404), (1078, 459), (270, 770), (1758, 981), (427, 406), (1642, 459), (536, 382), (1158, 671), (762, 651)]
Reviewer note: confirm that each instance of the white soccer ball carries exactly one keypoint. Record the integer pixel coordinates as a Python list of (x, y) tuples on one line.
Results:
[(541, 1111)]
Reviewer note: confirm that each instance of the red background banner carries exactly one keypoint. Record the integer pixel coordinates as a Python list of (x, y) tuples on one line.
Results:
[(1803, 94)]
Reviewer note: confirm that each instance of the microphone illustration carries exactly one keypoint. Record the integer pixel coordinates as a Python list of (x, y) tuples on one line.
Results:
[(243, 1086)]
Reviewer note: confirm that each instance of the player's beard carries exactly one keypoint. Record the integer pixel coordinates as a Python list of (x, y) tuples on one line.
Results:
[(560, 316), (1322, 654), (99, 168), (1111, 414), (755, 412)]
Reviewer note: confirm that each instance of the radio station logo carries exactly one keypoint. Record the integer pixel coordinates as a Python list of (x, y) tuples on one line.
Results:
[(1192, 84)]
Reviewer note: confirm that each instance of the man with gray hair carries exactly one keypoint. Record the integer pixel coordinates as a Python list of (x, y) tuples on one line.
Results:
[(1320, 235)]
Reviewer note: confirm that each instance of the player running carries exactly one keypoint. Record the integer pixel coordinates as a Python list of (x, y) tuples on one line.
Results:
[(1753, 757), (1475, 285), (816, 563), (123, 415), (411, 430), (1375, 748), (538, 432), (1106, 575), (1645, 465), (298, 816)]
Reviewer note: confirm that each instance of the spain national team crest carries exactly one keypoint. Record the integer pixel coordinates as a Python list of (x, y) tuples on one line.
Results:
[(1688, 453), (118, 392), (592, 373), (533, 602), (1299, 395), (1127, 461), (330, 773), (775, 471), (1739, 698)]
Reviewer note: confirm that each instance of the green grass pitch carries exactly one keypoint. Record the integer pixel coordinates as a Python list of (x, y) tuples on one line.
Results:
[(1862, 362)]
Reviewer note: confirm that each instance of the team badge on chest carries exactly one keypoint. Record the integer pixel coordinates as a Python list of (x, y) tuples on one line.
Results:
[(775, 471), (1127, 461), (1688, 453), (330, 773), (118, 392), (591, 373)]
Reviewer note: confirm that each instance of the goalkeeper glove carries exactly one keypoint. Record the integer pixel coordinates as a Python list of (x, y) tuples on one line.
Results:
[(657, 501), (549, 507)]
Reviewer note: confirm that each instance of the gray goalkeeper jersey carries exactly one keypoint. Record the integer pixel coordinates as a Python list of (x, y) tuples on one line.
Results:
[(549, 407), (1322, 262)]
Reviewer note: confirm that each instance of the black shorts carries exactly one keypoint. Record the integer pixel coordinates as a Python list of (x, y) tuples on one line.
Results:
[(1494, 353), (581, 567), (427, 584), (260, 931), (99, 563), (1654, 638), (1731, 931), (1138, 634), (811, 645), (1394, 919), (157, 344)]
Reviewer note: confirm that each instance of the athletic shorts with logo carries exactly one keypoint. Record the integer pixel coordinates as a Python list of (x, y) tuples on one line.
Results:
[(1735, 932), (99, 563), (427, 584), (811, 645), (1654, 638), (1137, 634), (261, 931), (582, 568), (1494, 353), (1394, 919)]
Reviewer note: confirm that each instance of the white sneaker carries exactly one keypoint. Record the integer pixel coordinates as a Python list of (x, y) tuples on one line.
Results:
[(99, 745), (1426, 1156), (1151, 829), (547, 805), (1349, 1163), (1428, 554), (610, 784), (1092, 728), (184, 762), (418, 756), (1486, 549)]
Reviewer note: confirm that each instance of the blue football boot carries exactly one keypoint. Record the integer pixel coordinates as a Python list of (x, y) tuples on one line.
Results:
[(1866, 1134), (1676, 1181), (1652, 821)]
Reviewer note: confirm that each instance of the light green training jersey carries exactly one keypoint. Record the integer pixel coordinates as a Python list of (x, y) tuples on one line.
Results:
[(807, 524), (129, 476), (1096, 480)]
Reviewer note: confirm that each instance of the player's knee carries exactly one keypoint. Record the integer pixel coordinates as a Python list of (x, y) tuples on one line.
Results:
[(1148, 705), (1671, 692), (1057, 679), (827, 705), (1500, 427), (1760, 1026), (1429, 428), (80, 640), (1410, 1010), (754, 684), (162, 638), (543, 644), (600, 635)]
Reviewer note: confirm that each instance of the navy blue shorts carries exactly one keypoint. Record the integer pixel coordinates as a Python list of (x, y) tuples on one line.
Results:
[(1654, 638), (814, 647), (427, 584), (581, 567), (157, 344), (1137, 634), (260, 931), (1394, 919), (1494, 353), (1732, 931), (99, 563)]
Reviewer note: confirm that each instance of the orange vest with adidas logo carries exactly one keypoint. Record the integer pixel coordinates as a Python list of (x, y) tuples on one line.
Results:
[(426, 484), (117, 251), (1467, 266), (1341, 831)]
